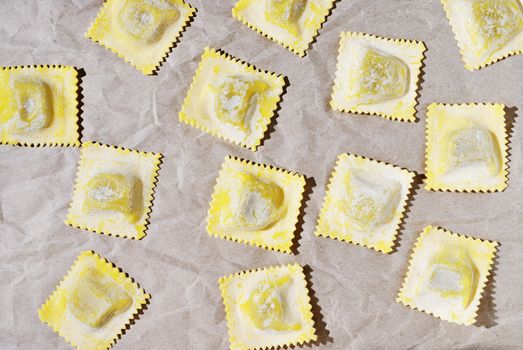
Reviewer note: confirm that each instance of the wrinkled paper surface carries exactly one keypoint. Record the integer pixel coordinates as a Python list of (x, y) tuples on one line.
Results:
[(178, 263)]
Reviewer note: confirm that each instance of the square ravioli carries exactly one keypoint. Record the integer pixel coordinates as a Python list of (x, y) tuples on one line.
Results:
[(486, 30), (291, 23), (256, 204), (447, 274), (377, 76), (231, 99), (365, 202), (114, 190), (268, 308), (39, 106), (141, 32), (93, 304), (466, 147)]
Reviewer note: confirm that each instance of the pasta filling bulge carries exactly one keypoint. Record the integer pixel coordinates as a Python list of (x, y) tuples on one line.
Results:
[(146, 21), (494, 24), (236, 98), (97, 298), (452, 275), (34, 101), (258, 206), (285, 14), (376, 76), (370, 203), (266, 306), (474, 146), (115, 192)]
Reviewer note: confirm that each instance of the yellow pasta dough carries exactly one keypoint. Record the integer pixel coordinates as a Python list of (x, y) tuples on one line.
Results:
[(486, 30), (93, 303), (466, 147), (447, 274), (113, 191), (231, 99), (141, 32), (256, 204), (365, 202), (291, 23), (39, 106), (267, 308), (377, 76)]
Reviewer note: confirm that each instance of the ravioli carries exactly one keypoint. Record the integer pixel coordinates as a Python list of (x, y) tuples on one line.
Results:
[(231, 99), (141, 32), (466, 147), (255, 204), (113, 191), (377, 76), (486, 30), (447, 274), (291, 23), (38, 106), (365, 202), (268, 308), (93, 303)]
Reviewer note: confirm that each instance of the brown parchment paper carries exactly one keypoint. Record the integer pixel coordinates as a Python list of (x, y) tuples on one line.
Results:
[(178, 263)]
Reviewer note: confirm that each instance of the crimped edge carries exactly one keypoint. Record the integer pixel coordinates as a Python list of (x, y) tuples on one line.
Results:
[(277, 79), (74, 104), (462, 49), (228, 302), (400, 299), (401, 207), (189, 15), (417, 73), (500, 187), (327, 11), (149, 198), (116, 273), (255, 243)]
